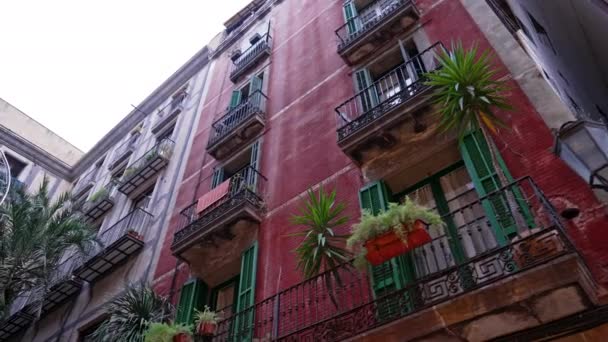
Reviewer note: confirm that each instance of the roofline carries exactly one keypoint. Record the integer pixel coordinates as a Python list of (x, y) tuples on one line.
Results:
[(147, 106)]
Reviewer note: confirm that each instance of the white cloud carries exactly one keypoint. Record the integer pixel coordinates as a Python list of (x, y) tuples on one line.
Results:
[(77, 66)]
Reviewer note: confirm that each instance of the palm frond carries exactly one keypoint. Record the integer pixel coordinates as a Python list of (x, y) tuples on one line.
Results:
[(466, 91)]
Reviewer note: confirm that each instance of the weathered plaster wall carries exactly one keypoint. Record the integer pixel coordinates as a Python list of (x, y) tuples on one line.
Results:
[(307, 81)]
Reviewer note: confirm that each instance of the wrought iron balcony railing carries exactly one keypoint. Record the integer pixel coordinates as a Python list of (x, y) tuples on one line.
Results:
[(124, 150), (251, 56), (147, 166), (322, 308), (370, 18), (254, 105), (100, 202), (244, 187), (395, 89), (117, 243)]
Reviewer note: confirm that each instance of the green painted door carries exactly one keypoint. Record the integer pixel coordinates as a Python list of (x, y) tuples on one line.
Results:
[(478, 161), (367, 94), (244, 324), (192, 297), (235, 99), (350, 14)]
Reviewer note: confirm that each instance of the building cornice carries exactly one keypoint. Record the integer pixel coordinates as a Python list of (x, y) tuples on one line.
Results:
[(34, 153), (145, 108)]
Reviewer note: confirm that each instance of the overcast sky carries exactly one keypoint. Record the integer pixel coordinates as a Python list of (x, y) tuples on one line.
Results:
[(77, 66)]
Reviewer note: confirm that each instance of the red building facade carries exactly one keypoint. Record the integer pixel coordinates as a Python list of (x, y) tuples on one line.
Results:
[(284, 77)]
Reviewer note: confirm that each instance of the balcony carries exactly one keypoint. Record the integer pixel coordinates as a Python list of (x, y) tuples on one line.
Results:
[(538, 265), (214, 217), (124, 151), (100, 202), (238, 126), (170, 112), (118, 242), (85, 183), (251, 57), (62, 286), (372, 117), (146, 167), (376, 24)]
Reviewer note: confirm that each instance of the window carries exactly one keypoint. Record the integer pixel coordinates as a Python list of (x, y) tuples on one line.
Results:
[(541, 32), (245, 164), (223, 297), (166, 134), (16, 165), (179, 97), (143, 201), (251, 89)]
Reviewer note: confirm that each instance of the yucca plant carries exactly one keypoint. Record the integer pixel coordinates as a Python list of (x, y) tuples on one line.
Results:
[(467, 94), (36, 234), (131, 313), (322, 248)]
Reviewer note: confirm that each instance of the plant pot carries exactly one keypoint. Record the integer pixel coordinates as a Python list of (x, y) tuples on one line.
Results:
[(182, 337), (206, 328), (134, 234), (389, 245)]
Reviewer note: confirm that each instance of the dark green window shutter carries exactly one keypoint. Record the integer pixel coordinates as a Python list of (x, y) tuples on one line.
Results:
[(235, 99), (478, 161), (218, 176), (369, 98), (254, 163), (246, 295), (192, 297), (374, 197), (350, 12)]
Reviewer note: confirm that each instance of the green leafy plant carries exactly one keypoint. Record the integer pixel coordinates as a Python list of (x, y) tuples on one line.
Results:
[(36, 235), (322, 248), (398, 218), (467, 93), (164, 332), (131, 313), (206, 316), (103, 192)]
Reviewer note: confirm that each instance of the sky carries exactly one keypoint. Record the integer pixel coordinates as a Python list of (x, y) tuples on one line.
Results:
[(77, 66)]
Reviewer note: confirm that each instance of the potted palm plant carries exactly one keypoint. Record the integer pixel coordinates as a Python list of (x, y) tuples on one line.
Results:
[(393, 232), (206, 322), (166, 332), (322, 248)]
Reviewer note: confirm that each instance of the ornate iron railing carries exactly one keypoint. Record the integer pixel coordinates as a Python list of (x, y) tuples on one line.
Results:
[(126, 146), (369, 18), (255, 104), (322, 308), (245, 186), (163, 149), (250, 56), (388, 92)]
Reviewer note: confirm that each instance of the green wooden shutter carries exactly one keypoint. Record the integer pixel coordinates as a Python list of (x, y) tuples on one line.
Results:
[(243, 329), (478, 161), (369, 98), (255, 91), (192, 297), (218, 176), (350, 12), (254, 163), (235, 99)]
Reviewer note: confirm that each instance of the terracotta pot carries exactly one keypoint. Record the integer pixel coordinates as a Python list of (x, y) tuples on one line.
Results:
[(182, 337), (206, 328), (388, 245)]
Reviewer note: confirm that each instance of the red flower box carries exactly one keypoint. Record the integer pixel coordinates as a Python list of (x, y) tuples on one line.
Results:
[(389, 245), (206, 328), (182, 337)]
